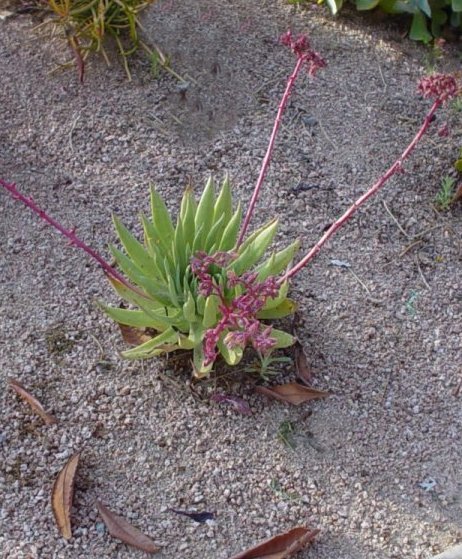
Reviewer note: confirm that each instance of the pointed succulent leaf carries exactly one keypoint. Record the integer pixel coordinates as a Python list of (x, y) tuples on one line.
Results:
[(224, 203), (185, 343), (155, 288), (187, 215), (135, 250), (210, 311), (173, 294), (278, 261), (161, 219), (154, 247), (179, 248), (143, 351), (189, 308), (200, 370), (276, 301), (151, 307), (214, 235), (231, 356), (136, 318), (204, 213), (200, 301), (255, 250), (196, 333), (229, 237), (287, 307), (283, 339)]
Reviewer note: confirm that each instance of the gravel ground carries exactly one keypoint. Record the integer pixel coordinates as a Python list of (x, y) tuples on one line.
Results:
[(376, 466)]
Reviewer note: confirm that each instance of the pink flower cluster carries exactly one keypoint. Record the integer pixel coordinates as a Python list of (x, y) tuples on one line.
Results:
[(238, 315), (301, 47), (440, 87)]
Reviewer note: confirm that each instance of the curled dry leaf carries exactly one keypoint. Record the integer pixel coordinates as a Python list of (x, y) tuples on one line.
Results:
[(134, 336), (281, 546), (62, 493), (32, 401), (119, 528), (292, 393), (458, 193), (301, 364)]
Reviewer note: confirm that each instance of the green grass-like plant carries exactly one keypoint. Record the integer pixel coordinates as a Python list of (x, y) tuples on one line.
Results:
[(88, 24)]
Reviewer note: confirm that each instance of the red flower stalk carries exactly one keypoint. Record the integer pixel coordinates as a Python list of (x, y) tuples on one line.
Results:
[(306, 57)]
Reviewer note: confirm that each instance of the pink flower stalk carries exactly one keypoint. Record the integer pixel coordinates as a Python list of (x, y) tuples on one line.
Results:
[(69, 234), (312, 61), (440, 87), (239, 315)]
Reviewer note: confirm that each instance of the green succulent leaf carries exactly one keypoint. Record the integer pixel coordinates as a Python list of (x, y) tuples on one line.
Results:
[(200, 370), (135, 250), (287, 307), (231, 356), (161, 220), (456, 5), (278, 261), (224, 203), (189, 308), (215, 234), (273, 303), (229, 237), (151, 348), (136, 318), (366, 4), (283, 339), (210, 311), (205, 211), (187, 215), (419, 30), (254, 250)]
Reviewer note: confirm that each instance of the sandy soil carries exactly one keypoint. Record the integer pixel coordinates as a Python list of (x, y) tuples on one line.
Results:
[(377, 466)]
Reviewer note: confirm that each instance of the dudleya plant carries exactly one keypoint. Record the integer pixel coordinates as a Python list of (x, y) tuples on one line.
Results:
[(196, 287), (204, 285)]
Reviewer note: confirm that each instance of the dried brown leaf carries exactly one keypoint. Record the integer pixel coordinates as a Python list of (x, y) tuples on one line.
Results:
[(62, 493), (119, 528), (292, 393), (458, 193), (32, 401), (281, 546), (134, 336), (301, 364)]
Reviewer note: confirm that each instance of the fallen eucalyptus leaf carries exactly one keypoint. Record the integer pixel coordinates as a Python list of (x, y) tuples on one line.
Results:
[(62, 493), (119, 528), (134, 336), (458, 193), (32, 401), (239, 405), (292, 393), (200, 517), (281, 546), (301, 364)]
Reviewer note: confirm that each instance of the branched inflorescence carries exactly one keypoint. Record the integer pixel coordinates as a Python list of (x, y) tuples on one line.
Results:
[(301, 47), (238, 315), (439, 87)]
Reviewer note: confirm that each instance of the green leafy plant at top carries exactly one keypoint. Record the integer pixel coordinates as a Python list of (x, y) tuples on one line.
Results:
[(428, 16), (88, 25), (204, 284)]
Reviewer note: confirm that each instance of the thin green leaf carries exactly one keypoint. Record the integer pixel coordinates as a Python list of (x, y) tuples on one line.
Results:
[(278, 261), (205, 210), (255, 250), (135, 318), (229, 237), (215, 233), (135, 250), (187, 215), (210, 311), (144, 351), (335, 5), (189, 308), (161, 220), (224, 203), (419, 31)]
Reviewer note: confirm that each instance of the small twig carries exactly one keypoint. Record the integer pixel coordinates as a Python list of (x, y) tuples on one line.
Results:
[(368, 291), (74, 124), (101, 350), (403, 231), (327, 136), (457, 390), (385, 85), (421, 273), (410, 247)]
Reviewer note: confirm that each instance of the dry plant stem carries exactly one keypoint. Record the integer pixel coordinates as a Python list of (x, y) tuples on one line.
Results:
[(68, 233), (393, 170), (264, 168)]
